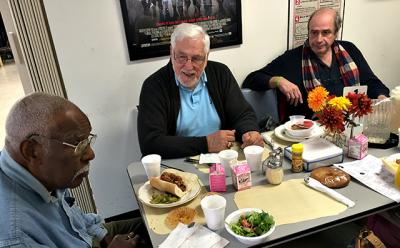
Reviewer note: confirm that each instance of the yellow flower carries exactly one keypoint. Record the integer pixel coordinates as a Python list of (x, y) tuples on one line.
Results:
[(316, 98), (340, 103)]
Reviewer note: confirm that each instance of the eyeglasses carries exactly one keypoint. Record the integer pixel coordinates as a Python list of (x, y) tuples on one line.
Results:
[(183, 59), (78, 148)]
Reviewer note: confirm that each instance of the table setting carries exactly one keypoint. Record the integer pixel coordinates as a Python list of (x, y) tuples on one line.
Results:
[(258, 180)]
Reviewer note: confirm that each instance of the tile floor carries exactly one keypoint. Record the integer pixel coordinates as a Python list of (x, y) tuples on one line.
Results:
[(10, 90)]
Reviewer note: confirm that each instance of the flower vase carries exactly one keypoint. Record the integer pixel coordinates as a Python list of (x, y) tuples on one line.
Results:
[(339, 139)]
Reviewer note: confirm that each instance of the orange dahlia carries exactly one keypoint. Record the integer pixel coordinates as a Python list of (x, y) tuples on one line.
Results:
[(317, 98)]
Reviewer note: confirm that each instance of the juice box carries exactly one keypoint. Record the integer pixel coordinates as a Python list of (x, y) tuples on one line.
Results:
[(217, 178), (358, 147), (241, 176)]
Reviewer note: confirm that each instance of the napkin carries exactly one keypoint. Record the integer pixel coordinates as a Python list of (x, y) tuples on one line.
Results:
[(311, 182), (209, 158), (196, 236)]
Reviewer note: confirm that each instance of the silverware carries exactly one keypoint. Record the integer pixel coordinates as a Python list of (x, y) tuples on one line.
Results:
[(170, 167)]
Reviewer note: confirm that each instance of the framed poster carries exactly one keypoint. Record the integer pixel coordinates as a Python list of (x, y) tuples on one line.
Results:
[(150, 23), (299, 13)]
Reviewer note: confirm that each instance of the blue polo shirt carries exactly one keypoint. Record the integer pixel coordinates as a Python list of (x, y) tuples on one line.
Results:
[(197, 116)]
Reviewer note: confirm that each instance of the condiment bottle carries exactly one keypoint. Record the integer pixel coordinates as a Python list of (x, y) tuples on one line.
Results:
[(274, 172), (273, 166), (297, 157), (397, 176)]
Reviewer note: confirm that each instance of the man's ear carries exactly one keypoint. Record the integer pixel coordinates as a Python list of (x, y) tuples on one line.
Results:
[(31, 150)]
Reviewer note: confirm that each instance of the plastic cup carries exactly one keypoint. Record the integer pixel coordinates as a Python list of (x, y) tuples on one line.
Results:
[(293, 118), (151, 164), (228, 158), (399, 136), (254, 157), (214, 211)]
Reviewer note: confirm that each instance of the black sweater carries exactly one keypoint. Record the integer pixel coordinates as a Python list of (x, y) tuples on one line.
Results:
[(289, 66), (160, 104)]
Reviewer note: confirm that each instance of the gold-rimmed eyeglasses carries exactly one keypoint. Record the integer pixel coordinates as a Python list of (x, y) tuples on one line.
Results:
[(78, 148), (183, 59)]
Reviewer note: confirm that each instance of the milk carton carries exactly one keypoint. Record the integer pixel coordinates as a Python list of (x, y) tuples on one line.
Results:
[(217, 178), (241, 176), (358, 147)]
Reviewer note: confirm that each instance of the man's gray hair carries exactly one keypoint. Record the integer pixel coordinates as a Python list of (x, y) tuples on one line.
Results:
[(338, 19), (33, 115), (187, 30)]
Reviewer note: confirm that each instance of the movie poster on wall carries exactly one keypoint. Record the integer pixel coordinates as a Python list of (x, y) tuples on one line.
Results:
[(150, 23), (299, 13)]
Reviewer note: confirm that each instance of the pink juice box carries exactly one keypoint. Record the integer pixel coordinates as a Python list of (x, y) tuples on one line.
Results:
[(358, 147), (241, 176), (217, 178)]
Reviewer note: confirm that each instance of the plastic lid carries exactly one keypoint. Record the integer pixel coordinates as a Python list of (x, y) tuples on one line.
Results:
[(297, 147)]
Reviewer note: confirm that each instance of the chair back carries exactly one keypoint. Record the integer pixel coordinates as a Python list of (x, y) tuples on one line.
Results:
[(264, 103)]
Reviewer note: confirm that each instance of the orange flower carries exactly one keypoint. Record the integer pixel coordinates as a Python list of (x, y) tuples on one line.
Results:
[(317, 98)]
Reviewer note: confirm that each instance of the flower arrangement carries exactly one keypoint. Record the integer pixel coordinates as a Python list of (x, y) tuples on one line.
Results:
[(335, 113)]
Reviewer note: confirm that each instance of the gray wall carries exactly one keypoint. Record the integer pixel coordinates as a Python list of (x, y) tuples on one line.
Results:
[(90, 44)]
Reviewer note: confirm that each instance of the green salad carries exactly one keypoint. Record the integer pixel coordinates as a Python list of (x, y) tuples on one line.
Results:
[(253, 224)]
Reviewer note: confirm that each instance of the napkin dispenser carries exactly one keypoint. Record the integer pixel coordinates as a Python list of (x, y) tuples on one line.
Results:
[(318, 152)]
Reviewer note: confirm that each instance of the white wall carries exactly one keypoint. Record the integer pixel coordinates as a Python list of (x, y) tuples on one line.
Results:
[(373, 25), (91, 48)]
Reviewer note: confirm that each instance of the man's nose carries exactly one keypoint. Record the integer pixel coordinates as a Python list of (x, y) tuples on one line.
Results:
[(88, 154), (189, 63)]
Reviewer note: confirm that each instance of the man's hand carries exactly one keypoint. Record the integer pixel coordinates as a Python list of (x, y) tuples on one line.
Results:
[(220, 140), (289, 89), (252, 138), (381, 97), (125, 240)]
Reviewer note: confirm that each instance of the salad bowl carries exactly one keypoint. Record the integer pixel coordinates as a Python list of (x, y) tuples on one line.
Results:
[(262, 225)]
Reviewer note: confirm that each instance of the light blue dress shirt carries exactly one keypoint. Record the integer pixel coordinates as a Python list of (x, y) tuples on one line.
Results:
[(31, 217), (197, 116)]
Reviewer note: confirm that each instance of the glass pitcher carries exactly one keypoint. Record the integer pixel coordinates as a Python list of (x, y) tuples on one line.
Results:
[(377, 124)]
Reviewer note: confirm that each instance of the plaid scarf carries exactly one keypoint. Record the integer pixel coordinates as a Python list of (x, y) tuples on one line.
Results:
[(348, 69)]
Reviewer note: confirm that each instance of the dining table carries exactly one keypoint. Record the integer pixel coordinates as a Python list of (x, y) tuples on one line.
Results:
[(368, 201)]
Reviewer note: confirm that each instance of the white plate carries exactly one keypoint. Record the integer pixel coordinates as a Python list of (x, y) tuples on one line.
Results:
[(146, 191), (281, 133)]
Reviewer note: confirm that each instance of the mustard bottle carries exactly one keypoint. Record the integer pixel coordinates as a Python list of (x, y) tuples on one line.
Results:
[(297, 157), (397, 176)]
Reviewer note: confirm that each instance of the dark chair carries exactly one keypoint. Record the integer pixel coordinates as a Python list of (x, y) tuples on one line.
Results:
[(264, 103)]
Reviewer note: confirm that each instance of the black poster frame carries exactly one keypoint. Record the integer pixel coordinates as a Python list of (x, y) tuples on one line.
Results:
[(149, 23)]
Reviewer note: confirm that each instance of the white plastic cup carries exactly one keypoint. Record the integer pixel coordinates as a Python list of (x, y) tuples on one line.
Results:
[(151, 164), (293, 118), (399, 136), (228, 158), (254, 157), (214, 211)]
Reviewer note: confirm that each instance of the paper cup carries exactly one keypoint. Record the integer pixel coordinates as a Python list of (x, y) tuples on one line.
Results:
[(228, 158), (151, 164), (254, 157), (214, 211)]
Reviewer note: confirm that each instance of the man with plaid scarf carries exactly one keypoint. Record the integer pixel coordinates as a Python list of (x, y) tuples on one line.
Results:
[(322, 60)]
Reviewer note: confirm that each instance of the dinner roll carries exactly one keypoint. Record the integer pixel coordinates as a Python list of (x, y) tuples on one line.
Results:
[(331, 177)]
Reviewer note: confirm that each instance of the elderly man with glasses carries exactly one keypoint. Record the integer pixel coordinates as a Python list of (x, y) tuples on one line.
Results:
[(47, 151), (192, 105)]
